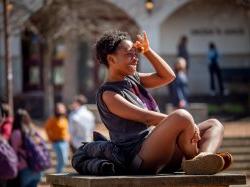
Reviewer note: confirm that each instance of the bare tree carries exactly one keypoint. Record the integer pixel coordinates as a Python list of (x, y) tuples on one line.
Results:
[(54, 19), (74, 19), (8, 62)]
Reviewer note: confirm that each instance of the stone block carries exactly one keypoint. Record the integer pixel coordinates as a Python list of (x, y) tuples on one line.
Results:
[(170, 180)]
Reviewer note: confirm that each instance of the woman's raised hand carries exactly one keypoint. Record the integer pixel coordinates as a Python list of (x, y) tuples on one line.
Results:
[(142, 43)]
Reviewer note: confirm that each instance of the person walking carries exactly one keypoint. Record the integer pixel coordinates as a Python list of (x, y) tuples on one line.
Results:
[(58, 133), (23, 125), (214, 69), (81, 122), (182, 50), (179, 87)]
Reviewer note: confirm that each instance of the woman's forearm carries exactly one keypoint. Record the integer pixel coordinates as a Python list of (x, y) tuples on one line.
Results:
[(161, 67), (154, 118)]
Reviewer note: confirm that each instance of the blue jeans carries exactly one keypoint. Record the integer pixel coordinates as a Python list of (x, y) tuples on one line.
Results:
[(62, 150), (29, 178)]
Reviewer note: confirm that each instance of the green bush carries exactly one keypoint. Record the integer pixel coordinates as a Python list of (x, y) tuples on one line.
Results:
[(228, 108)]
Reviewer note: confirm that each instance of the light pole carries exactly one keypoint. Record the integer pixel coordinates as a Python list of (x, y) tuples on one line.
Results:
[(7, 58)]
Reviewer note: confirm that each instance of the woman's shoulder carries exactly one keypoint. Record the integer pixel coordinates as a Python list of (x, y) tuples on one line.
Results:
[(110, 86), (119, 86)]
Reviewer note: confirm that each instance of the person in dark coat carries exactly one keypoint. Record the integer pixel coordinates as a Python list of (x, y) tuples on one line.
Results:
[(214, 69), (182, 50)]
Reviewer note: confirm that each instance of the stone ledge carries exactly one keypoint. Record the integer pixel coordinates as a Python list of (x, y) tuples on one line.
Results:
[(179, 180)]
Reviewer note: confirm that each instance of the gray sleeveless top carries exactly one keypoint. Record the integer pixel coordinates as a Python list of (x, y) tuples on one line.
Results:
[(126, 134)]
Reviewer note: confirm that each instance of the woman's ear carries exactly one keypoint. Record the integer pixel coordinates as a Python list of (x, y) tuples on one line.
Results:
[(110, 59)]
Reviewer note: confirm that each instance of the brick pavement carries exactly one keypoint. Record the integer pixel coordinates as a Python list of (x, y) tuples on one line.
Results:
[(237, 129)]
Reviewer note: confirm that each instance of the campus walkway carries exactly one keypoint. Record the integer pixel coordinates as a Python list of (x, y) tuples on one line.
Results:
[(237, 128)]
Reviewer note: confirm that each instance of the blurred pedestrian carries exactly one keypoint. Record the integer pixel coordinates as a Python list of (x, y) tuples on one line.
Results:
[(214, 69), (82, 122), (179, 87), (58, 133), (182, 50), (22, 126), (6, 127), (2, 117)]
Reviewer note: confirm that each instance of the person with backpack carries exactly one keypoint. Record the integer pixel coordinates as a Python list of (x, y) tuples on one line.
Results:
[(58, 133), (214, 69), (8, 158), (23, 127)]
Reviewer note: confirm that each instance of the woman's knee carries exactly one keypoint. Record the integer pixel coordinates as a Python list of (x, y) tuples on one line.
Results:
[(216, 125), (183, 117)]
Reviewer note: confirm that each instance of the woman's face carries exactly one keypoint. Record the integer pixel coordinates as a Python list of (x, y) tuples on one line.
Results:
[(60, 109), (125, 59), (26, 120)]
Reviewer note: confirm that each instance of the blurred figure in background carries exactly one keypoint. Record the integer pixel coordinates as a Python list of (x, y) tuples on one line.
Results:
[(2, 117), (23, 125), (179, 87), (182, 50), (82, 122), (6, 127), (8, 157), (58, 133), (214, 69)]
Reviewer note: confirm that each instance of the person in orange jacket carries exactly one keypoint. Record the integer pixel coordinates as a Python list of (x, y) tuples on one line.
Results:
[(58, 133)]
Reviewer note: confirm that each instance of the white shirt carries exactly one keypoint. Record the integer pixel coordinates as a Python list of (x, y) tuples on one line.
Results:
[(81, 126)]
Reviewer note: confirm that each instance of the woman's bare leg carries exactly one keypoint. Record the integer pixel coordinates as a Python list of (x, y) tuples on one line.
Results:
[(211, 132), (176, 130), (175, 162)]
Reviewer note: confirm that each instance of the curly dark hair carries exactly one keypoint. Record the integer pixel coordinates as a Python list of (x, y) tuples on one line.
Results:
[(108, 44)]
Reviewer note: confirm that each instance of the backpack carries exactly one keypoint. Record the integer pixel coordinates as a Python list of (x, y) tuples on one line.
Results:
[(8, 160), (38, 157)]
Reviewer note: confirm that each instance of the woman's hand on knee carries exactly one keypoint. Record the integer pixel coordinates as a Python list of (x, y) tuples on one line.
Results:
[(196, 137)]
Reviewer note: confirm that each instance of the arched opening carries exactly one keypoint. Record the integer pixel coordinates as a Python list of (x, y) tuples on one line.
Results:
[(224, 22)]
